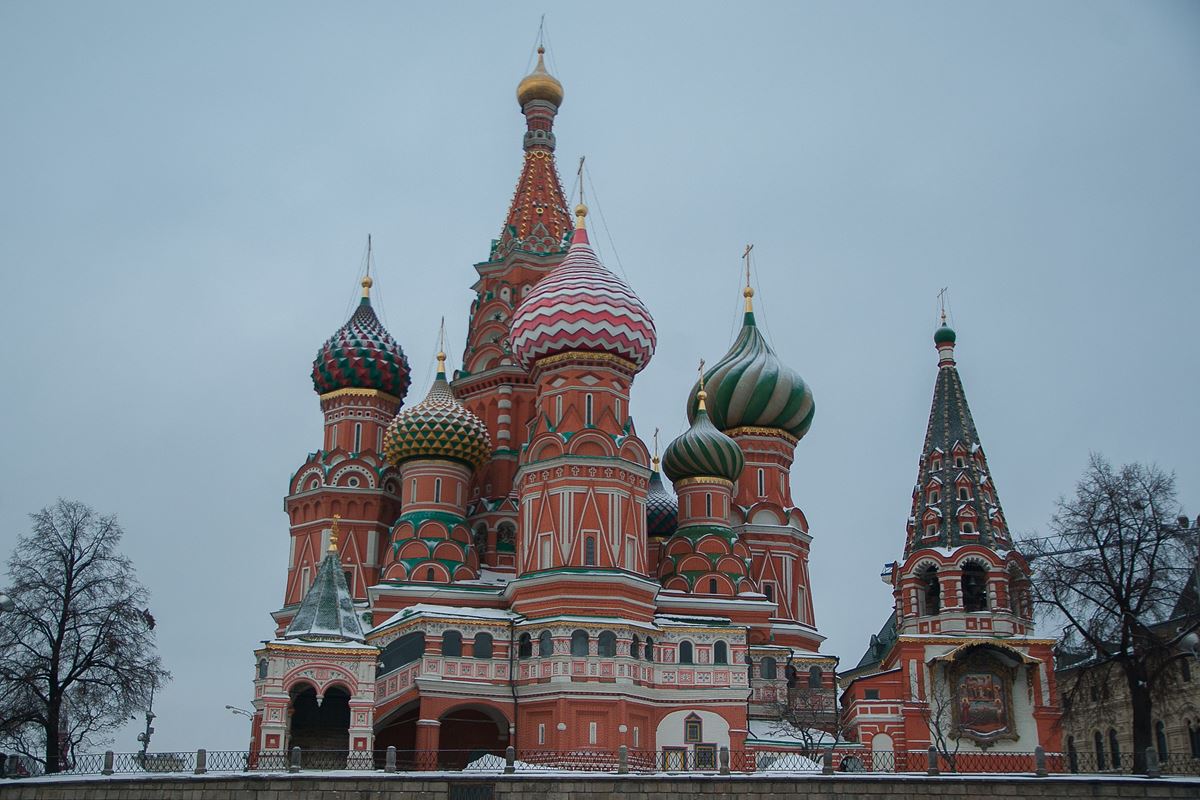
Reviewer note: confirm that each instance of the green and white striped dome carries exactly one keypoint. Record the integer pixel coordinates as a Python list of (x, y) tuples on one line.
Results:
[(751, 388), (702, 451)]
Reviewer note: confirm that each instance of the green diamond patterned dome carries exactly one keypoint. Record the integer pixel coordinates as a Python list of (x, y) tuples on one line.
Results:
[(361, 355), (438, 427), (751, 388), (702, 451)]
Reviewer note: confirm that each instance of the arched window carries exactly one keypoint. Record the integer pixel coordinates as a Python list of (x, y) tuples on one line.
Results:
[(452, 643), (814, 677), (587, 410), (968, 527), (483, 646), (358, 437), (635, 647), (525, 646), (963, 494), (589, 551), (437, 490), (960, 462), (429, 574), (1194, 737), (708, 504), (749, 666), (934, 497), (262, 669), (768, 668), (932, 590), (1114, 747), (404, 650), (1185, 670), (685, 652), (579, 643), (649, 649), (712, 585), (974, 587), (606, 644), (1098, 741), (1160, 740), (762, 482), (545, 644), (720, 653)]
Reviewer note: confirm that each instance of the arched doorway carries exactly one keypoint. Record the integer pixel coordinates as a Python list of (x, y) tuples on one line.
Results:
[(322, 730), (469, 732), (399, 730)]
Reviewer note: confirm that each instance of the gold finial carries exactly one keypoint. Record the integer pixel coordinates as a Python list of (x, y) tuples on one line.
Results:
[(701, 395), (748, 292), (540, 84), (581, 210), (367, 283), (441, 354), (333, 534), (654, 462)]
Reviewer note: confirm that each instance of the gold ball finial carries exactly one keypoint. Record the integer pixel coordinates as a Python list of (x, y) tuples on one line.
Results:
[(367, 283), (581, 212)]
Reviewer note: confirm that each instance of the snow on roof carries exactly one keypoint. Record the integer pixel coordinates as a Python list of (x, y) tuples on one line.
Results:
[(459, 612), (677, 620), (489, 577), (322, 643)]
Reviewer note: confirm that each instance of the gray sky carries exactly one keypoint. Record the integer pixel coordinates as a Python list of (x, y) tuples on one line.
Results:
[(187, 190)]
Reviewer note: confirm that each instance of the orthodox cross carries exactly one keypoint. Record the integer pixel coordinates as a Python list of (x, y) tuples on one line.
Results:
[(942, 302), (746, 258)]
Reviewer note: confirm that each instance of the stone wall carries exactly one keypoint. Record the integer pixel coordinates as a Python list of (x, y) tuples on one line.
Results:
[(408, 787)]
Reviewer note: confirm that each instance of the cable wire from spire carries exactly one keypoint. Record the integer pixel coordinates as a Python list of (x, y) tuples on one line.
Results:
[(585, 172)]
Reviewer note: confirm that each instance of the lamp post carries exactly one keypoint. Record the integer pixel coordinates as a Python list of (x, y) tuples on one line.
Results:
[(242, 711)]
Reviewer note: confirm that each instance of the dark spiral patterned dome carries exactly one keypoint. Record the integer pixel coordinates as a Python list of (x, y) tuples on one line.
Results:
[(702, 451), (361, 355), (438, 427), (662, 509), (751, 387)]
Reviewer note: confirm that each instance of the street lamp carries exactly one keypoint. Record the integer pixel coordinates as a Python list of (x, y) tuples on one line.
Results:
[(242, 711)]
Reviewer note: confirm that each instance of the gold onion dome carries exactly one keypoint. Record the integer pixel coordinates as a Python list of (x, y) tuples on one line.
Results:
[(540, 84), (438, 427)]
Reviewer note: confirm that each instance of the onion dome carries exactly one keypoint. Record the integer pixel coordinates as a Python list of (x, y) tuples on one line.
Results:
[(540, 84), (438, 427), (362, 355), (751, 388), (944, 334), (702, 451), (581, 306), (662, 509)]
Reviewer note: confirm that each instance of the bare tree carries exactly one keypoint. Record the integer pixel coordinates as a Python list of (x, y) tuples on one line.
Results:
[(77, 652), (810, 717), (938, 714), (1114, 569)]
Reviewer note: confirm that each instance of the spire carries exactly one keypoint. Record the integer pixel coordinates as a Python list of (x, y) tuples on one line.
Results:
[(327, 611), (955, 501), (367, 283), (701, 395), (748, 292), (538, 220), (655, 461), (441, 353)]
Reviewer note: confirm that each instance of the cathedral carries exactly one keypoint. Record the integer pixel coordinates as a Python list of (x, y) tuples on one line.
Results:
[(501, 562)]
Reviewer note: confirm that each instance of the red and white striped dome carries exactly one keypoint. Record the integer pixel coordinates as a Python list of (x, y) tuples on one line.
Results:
[(580, 305)]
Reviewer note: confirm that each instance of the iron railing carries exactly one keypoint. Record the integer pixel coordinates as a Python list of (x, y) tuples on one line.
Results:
[(692, 759)]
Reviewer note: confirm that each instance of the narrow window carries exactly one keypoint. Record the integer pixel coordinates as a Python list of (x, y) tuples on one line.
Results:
[(936, 464), (546, 554), (592, 731), (437, 490), (720, 653), (412, 491), (304, 580), (545, 644), (541, 733), (579, 643), (1185, 671), (1098, 741), (962, 493), (349, 573), (333, 437), (558, 410), (452, 643), (429, 574), (959, 462), (974, 587), (933, 498), (379, 440), (635, 647), (693, 730), (708, 504), (712, 585), (814, 677), (762, 483), (589, 551), (931, 530), (685, 652), (769, 590), (606, 644), (483, 646), (525, 646), (649, 649), (358, 437), (637, 739), (587, 410), (617, 410), (630, 563), (1160, 740), (768, 668), (1115, 747), (968, 527)]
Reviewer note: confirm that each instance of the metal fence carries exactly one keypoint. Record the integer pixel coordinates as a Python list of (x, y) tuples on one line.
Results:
[(696, 759)]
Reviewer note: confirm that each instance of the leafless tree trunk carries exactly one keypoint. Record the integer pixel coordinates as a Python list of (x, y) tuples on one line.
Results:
[(938, 715), (77, 653), (1114, 569)]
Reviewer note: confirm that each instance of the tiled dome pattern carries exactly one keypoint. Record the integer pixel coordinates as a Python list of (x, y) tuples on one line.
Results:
[(361, 355), (438, 427)]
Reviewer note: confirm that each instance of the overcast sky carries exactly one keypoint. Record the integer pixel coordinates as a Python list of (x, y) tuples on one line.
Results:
[(186, 191)]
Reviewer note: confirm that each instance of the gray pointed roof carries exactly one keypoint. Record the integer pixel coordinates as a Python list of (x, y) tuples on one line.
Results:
[(327, 611), (952, 430)]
